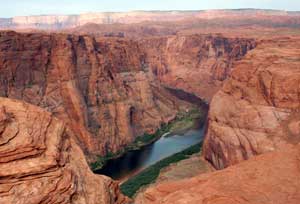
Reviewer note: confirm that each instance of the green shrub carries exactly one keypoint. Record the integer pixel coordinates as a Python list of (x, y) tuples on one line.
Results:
[(183, 121), (150, 174)]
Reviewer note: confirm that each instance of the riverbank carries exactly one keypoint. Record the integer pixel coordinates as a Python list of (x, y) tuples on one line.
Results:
[(150, 174), (184, 121), (188, 168)]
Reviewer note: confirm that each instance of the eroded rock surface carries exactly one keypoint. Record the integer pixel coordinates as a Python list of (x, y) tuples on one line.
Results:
[(268, 178), (106, 89), (101, 88), (253, 130), (197, 64), (257, 110), (41, 163)]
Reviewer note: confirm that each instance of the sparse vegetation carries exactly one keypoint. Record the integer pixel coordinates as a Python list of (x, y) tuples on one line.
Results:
[(187, 121), (150, 174), (183, 121)]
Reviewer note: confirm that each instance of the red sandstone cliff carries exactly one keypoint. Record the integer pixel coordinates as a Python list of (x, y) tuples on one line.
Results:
[(254, 130), (257, 110), (41, 163), (195, 63), (106, 89), (100, 87)]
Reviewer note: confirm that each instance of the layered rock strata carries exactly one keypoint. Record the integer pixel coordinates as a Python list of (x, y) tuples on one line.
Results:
[(108, 90), (101, 88), (197, 64), (169, 19), (257, 110), (41, 163), (253, 130)]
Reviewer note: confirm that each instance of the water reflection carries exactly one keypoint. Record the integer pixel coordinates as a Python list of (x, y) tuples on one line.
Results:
[(136, 160)]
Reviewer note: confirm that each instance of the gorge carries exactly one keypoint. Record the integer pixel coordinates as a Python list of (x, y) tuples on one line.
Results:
[(71, 96)]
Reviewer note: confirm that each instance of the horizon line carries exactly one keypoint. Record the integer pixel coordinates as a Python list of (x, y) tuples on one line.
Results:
[(130, 11)]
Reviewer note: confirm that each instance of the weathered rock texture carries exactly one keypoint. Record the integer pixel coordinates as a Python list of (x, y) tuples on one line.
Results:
[(100, 87), (268, 178), (41, 163), (257, 110), (106, 89), (195, 63)]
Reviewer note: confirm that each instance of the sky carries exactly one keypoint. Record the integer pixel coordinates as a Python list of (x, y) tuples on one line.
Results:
[(37, 7)]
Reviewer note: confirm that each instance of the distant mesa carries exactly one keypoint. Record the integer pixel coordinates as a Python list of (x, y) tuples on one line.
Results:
[(58, 22)]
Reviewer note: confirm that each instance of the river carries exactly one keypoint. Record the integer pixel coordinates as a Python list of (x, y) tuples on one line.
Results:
[(134, 161)]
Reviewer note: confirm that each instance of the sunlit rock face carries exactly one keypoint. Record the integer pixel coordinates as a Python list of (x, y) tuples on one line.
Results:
[(102, 88), (41, 163), (257, 110), (111, 90), (253, 135)]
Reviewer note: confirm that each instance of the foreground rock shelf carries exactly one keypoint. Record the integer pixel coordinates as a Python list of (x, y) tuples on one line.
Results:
[(269, 178), (41, 163)]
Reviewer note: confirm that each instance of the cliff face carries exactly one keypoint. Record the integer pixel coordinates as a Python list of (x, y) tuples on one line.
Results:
[(106, 89), (41, 163), (254, 117), (257, 110), (100, 87), (195, 63)]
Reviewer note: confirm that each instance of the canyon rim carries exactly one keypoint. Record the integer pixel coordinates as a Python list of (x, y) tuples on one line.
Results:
[(79, 91)]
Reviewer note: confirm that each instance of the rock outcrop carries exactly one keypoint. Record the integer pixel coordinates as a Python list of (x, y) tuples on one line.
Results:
[(268, 178), (195, 63), (253, 130), (257, 110), (101, 88), (108, 90), (41, 163)]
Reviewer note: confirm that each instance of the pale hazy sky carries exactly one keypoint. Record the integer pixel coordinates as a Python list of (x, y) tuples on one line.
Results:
[(9, 8)]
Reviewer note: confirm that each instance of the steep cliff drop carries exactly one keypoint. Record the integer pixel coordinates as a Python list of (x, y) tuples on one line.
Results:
[(195, 63), (257, 110), (254, 130), (101, 88), (108, 90), (41, 163)]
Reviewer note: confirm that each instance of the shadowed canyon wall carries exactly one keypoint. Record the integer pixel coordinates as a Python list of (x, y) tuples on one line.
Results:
[(106, 89), (195, 63), (253, 132), (101, 88)]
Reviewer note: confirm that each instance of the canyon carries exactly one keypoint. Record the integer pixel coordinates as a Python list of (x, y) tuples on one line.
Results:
[(256, 112), (109, 91), (73, 91)]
